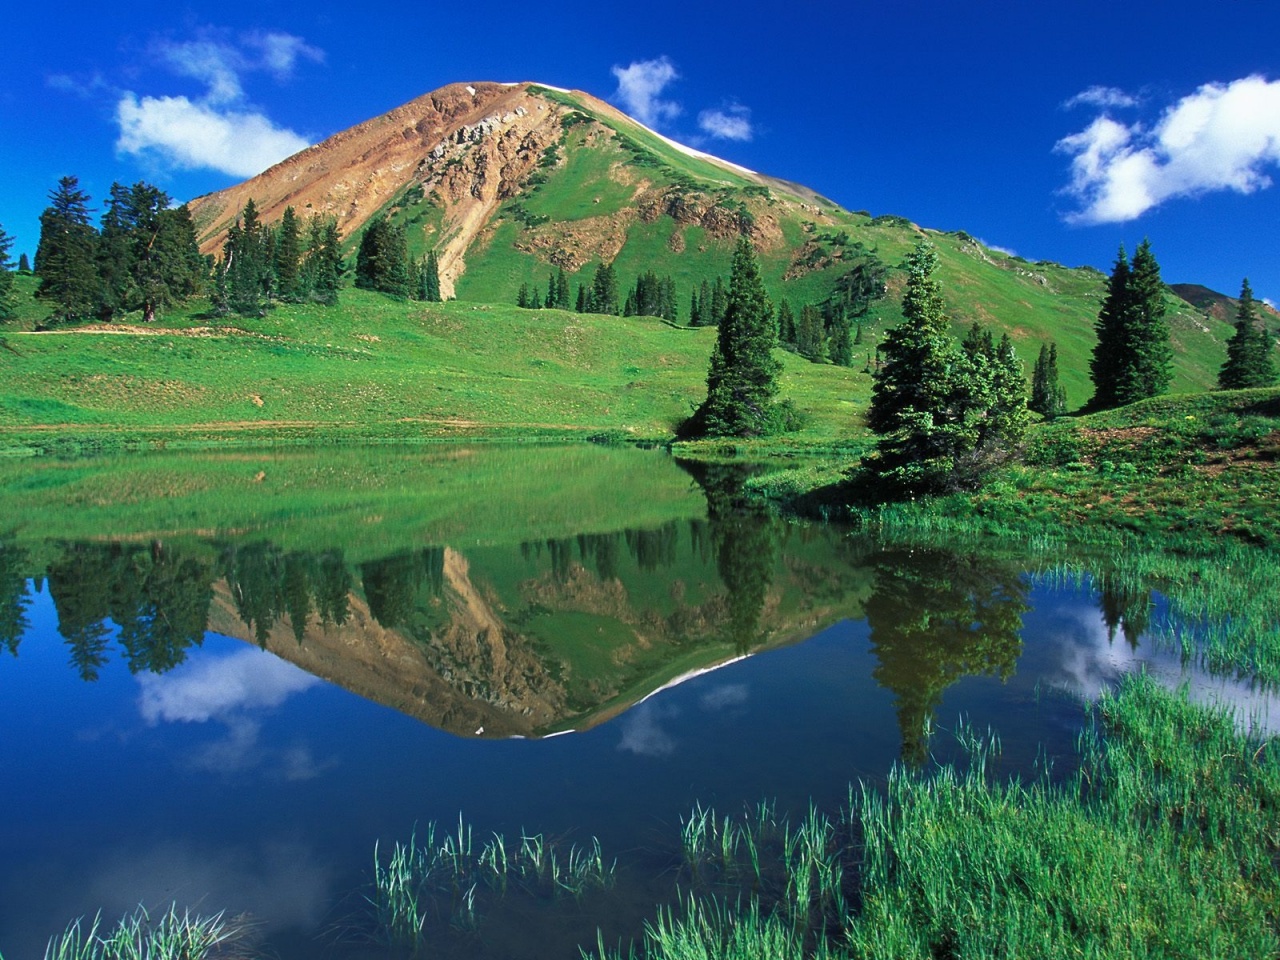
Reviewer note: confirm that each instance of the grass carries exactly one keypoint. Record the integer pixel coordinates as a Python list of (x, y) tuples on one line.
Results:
[(137, 936), (453, 876)]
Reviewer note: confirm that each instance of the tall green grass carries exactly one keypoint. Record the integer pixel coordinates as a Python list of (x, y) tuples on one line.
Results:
[(172, 935), (449, 877)]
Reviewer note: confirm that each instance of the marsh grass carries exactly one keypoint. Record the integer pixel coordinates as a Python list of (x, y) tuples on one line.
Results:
[(450, 878), (172, 935)]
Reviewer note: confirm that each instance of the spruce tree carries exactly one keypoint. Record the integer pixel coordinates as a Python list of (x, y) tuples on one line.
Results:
[(695, 311), (66, 256), (786, 325), (809, 333), (431, 280), (1048, 397), (719, 302), (1250, 351), (604, 291), (1132, 359), (6, 276), (24, 265), (840, 344), (913, 388), (742, 380), (382, 260), (244, 280), (323, 265), (290, 286)]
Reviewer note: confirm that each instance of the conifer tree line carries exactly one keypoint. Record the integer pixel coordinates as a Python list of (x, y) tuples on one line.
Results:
[(142, 258), (820, 332), (286, 263), (383, 264)]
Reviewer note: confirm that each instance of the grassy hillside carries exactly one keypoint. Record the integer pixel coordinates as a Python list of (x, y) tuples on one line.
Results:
[(378, 368)]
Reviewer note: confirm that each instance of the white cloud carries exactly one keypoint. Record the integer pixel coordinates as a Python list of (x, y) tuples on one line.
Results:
[(191, 135), (642, 731), (219, 130), (1222, 137), (731, 123), (218, 688), (724, 697), (1098, 96), (640, 86)]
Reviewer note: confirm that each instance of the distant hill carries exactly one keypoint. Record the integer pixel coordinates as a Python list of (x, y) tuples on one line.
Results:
[(508, 182), (1219, 306)]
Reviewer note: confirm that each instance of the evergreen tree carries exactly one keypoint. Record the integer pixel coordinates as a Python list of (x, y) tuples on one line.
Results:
[(1250, 350), (431, 278), (1132, 359), (945, 416), (24, 265), (6, 276), (809, 333), (840, 344), (604, 291), (522, 296), (742, 380), (323, 264), (719, 302), (581, 305), (705, 305), (244, 276), (857, 336), (66, 257), (1048, 397), (382, 260), (786, 325), (695, 311), (290, 284), (148, 259)]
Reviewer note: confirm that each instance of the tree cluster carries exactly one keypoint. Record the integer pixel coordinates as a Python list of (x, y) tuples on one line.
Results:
[(383, 264), (144, 258), (1048, 397), (652, 297), (1250, 351), (708, 303), (945, 414), (1132, 359), (819, 333), (287, 263)]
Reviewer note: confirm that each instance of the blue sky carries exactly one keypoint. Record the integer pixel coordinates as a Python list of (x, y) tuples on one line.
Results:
[(1057, 131)]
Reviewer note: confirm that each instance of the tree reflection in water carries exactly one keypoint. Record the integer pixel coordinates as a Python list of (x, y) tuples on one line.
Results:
[(935, 617)]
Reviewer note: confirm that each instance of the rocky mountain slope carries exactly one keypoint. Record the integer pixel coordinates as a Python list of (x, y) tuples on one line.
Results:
[(510, 182)]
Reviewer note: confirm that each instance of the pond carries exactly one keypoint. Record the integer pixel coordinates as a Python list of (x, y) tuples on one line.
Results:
[(225, 678)]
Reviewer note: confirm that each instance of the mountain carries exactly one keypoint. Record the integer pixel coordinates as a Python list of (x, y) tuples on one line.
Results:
[(508, 182), (1216, 305)]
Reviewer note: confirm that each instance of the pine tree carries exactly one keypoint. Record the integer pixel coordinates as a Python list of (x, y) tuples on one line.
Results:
[(66, 257), (1250, 351), (6, 276), (742, 380), (1132, 359), (786, 325), (382, 260), (604, 291), (288, 258), (914, 388), (24, 265), (840, 344), (245, 272), (719, 302), (809, 333), (431, 279), (323, 265), (581, 305), (1048, 397), (695, 311)]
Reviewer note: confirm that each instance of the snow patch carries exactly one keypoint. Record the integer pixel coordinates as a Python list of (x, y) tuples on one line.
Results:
[(471, 90)]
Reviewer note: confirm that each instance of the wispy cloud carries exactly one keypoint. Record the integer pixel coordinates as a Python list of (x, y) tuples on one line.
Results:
[(1222, 137), (640, 87), (219, 130), (730, 123), (1098, 96), (214, 688)]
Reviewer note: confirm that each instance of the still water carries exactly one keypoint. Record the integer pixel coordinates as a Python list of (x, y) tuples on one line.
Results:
[(223, 680)]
